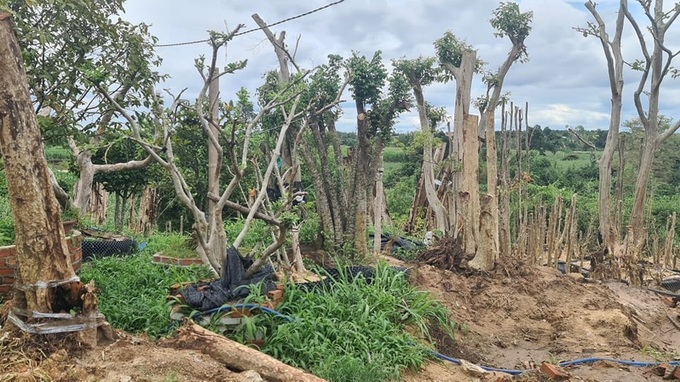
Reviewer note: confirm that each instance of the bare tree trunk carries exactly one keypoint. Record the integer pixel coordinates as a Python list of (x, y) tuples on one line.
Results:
[(570, 230), (43, 259), (324, 198), (640, 201), (612, 51), (487, 249), (492, 171), (97, 205), (360, 194), (670, 239), (463, 76), (213, 154), (618, 213), (297, 255), (287, 149), (147, 211), (237, 356), (377, 209), (441, 218), (83, 188), (471, 179), (504, 193)]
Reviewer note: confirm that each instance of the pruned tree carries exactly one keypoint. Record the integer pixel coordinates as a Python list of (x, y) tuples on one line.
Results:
[(322, 154), (421, 72), (45, 273), (654, 67), (230, 136), (376, 115), (460, 61), (508, 21), (66, 45), (611, 47)]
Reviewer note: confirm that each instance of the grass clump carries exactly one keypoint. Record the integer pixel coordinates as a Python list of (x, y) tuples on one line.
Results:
[(356, 330), (171, 244), (132, 290)]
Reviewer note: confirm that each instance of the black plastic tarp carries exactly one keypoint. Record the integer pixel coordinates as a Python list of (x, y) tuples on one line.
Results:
[(231, 286)]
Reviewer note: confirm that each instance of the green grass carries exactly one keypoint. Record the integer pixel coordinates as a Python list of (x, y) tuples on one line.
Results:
[(132, 290), (572, 159), (171, 244), (354, 331), (57, 154)]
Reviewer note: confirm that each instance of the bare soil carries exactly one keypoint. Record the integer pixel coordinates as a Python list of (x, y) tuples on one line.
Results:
[(514, 318)]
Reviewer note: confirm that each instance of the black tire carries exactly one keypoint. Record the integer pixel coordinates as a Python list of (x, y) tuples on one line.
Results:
[(95, 249)]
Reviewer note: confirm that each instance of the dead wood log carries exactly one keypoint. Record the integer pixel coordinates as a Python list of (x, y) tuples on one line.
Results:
[(237, 356)]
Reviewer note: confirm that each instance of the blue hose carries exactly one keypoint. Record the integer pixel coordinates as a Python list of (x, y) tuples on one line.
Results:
[(227, 308), (580, 361)]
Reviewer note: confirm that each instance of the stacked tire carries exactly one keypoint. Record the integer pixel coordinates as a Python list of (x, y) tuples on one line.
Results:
[(96, 249)]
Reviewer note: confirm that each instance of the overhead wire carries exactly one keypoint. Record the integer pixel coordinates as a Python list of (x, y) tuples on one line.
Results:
[(254, 29)]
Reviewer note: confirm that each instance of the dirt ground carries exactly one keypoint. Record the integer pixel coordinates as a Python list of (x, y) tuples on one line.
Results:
[(511, 319)]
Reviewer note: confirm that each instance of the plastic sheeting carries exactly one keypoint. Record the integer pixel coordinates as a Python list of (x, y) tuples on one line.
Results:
[(231, 286)]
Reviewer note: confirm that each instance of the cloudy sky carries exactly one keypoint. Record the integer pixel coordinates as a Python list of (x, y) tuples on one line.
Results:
[(565, 81)]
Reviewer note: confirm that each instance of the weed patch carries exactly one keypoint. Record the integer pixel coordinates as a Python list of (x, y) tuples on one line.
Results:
[(352, 329), (132, 290)]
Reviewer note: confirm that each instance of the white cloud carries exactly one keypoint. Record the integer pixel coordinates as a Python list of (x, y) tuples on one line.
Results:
[(559, 116), (565, 82)]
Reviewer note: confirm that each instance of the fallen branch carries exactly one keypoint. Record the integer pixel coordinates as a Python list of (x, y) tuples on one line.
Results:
[(237, 356)]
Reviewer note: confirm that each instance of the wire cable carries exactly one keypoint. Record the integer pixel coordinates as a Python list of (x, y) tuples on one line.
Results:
[(254, 29)]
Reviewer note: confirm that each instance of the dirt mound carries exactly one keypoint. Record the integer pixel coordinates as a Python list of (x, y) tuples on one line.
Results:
[(447, 254), (519, 316), (129, 358)]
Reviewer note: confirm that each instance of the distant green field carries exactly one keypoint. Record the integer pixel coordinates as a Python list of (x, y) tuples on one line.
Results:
[(572, 159)]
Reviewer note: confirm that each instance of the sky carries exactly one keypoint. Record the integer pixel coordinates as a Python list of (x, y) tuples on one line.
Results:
[(564, 82)]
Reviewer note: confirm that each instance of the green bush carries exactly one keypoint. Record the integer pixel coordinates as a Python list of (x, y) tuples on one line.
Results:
[(66, 179), (309, 229), (57, 154), (256, 233), (399, 198)]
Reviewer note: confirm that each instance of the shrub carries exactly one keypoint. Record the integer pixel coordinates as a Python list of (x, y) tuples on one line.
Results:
[(256, 233)]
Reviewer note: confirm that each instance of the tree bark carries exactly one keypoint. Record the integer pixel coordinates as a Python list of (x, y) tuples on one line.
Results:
[(441, 218), (504, 190), (377, 212), (471, 179), (360, 194), (237, 356), (463, 76), (487, 250), (42, 255), (613, 55)]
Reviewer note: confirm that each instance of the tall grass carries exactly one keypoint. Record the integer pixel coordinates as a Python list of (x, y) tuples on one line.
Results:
[(132, 290), (354, 330)]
